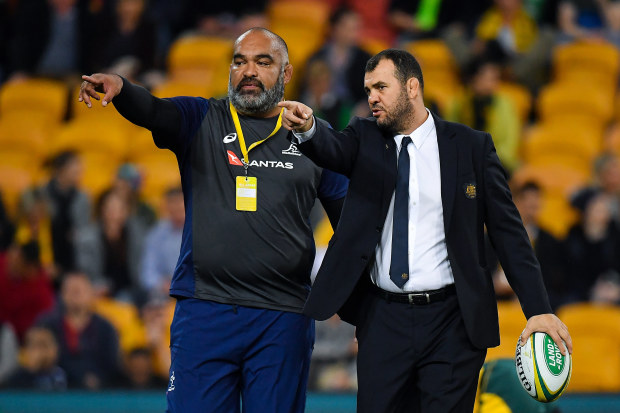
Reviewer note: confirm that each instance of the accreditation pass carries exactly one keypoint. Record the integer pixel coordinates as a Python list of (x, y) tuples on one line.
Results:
[(246, 193)]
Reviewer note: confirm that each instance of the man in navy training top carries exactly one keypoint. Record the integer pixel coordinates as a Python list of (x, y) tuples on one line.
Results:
[(243, 273)]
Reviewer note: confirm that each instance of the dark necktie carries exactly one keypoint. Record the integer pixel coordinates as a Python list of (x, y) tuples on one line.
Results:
[(399, 267)]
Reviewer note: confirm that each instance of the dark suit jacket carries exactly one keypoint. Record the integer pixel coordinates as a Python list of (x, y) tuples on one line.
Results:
[(474, 192)]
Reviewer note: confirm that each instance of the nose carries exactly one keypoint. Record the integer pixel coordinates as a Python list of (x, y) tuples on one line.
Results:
[(250, 70), (373, 98)]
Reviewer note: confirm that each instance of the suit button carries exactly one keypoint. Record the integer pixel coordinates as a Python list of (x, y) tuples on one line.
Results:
[(364, 258), (379, 229)]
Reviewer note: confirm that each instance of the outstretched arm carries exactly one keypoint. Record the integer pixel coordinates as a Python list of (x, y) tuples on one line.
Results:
[(133, 102)]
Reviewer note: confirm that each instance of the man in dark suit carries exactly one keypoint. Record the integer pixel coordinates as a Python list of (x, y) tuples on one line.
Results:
[(406, 264)]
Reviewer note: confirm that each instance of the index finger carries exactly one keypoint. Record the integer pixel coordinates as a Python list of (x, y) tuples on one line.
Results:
[(288, 104)]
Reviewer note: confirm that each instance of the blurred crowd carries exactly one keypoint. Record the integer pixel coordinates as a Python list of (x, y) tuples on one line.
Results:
[(84, 274)]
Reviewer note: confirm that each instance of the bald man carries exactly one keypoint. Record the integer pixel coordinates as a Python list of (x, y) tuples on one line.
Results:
[(243, 274)]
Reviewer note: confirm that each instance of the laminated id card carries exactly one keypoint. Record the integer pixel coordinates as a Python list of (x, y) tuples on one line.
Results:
[(246, 193)]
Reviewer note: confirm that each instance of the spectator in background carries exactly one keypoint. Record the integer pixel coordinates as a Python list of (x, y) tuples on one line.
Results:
[(432, 18), (333, 358), (346, 60), (374, 15), (39, 370), (7, 228), (226, 19), (581, 19), (592, 247), (34, 225), (138, 372), (162, 246), (483, 108), (548, 249), (607, 179), (49, 37), (157, 316), (319, 95), (128, 47), (25, 289), (127, 184), (109, 249), (9, 351), (89, 349), (526, 48), (68, 206)]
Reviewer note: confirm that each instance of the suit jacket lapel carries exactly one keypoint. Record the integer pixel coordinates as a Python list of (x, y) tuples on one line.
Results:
[(389, 178), (448, 165)]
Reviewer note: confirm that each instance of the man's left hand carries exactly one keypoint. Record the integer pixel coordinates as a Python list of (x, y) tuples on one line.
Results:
[(552, 325)]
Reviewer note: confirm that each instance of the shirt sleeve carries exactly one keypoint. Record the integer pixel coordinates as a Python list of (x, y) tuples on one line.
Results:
[(332, 186), (302, 137), (192, 111)]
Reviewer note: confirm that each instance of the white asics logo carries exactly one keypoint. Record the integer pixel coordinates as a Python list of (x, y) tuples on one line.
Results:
[(171, 384), (292, 150), (231, 137)]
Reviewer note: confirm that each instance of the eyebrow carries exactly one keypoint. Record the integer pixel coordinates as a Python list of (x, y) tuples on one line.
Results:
[(257, 57)]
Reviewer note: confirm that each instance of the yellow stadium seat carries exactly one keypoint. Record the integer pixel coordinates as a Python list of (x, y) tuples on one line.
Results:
[(436, 60), (93, 134), (311, 14), (28, 132), (599, 60), (141, 144), (520, 97), (595, 331), (373, 46), (558, 182), (201, 60), (13, 181), (566, 143), (35, 95), (160, 171), (125, 319), (511, 324), (558, 101), (99, 172)]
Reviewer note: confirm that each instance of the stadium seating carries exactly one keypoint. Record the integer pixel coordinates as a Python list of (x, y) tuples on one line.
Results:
[(26, 132), (201, 60), (565, 144), (595, 331), (561, 102), (310, 14), (93, 134), (173, 88), (520, 97), (13, 181), (597, 63), (511, 324), (35, 95), (160, 171), (125, 319)]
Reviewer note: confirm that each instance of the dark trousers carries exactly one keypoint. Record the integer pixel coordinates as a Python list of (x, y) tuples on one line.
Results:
[(415, 358)]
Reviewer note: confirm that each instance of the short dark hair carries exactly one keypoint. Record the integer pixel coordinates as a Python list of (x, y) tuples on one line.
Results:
[(406, 65)]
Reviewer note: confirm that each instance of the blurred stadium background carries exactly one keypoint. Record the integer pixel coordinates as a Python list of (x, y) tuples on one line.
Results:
[(540, 75)]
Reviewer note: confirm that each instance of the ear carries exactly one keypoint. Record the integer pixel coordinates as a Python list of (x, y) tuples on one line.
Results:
[(413, 88), (288, 73)]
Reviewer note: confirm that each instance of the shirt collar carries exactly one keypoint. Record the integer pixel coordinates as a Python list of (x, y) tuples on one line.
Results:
[(418, 137)]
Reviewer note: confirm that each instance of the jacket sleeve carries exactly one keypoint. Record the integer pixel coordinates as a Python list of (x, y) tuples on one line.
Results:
[(509, 237), (331, 149)]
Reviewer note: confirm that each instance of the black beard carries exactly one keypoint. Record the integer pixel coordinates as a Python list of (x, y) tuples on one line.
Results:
[(256, 103), (398, 120)]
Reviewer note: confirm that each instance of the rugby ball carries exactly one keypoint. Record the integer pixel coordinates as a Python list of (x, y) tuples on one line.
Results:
[(543, 371)]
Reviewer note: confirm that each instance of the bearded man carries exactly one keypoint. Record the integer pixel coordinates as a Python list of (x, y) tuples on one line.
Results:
[(243, 274)]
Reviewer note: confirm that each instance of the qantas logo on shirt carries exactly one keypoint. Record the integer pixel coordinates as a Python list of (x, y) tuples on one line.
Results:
[(231, 137), (234, 159)]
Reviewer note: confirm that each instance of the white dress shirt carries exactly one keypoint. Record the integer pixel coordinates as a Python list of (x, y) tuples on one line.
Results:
[(429, 268)]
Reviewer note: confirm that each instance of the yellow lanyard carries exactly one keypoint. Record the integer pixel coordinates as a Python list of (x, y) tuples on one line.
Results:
[(245, 151)]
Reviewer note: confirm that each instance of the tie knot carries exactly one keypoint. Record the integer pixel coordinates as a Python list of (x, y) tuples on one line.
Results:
[(406, 141)]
